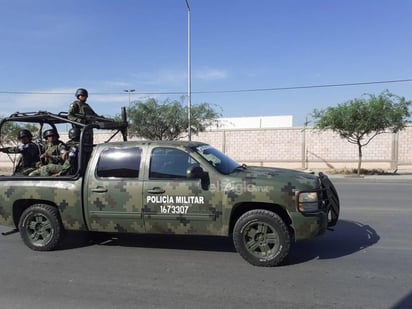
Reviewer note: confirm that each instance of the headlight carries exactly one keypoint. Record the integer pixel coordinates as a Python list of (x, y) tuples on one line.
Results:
[(308, 202)]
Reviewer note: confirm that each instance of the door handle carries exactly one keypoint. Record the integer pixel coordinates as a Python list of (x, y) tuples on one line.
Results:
[(99, 190), (156, 190)]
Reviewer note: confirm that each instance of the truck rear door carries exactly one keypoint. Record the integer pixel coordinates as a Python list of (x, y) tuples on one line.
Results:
[(113, 190)]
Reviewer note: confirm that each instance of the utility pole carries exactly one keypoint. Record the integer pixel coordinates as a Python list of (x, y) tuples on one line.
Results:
[(189, 76)]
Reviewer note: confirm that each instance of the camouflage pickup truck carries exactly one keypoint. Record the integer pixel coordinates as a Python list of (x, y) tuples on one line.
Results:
[(168, 187)]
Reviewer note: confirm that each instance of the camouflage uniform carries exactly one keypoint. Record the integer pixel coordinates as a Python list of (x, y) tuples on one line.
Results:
[(69, 166), (79, 112), (53, 161), (30, 155)]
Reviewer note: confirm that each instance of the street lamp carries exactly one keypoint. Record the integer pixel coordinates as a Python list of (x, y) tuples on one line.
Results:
[(189, 76), (129, 91)]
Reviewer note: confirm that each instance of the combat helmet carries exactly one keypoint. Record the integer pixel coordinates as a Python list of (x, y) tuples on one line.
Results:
[(24, 133), (81, 91), (74, 133), (50, 132)]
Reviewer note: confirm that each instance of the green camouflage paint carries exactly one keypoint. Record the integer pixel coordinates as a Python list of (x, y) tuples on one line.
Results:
[(184, 206)]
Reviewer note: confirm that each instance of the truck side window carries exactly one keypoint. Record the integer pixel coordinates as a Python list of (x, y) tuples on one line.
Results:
[(119, 163), (169, 163)]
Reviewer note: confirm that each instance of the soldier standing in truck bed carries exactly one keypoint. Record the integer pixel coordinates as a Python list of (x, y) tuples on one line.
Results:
[(81, 112)]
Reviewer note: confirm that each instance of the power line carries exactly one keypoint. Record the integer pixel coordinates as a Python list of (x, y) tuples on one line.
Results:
[(223, 91), (310, 86)]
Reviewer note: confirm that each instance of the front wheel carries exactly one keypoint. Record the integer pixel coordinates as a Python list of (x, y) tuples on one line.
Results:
[(261, 238), (41, 228)]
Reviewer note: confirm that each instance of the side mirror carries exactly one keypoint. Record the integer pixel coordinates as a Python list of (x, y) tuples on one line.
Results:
[(195, 172)]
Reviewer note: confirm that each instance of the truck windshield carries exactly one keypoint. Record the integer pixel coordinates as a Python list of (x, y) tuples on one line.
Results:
[(218, 160)]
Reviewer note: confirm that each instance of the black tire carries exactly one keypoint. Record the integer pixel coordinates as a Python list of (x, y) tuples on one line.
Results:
[(41, 228), (261, 238)]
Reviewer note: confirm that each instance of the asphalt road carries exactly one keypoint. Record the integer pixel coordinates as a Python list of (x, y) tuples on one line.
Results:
[(365, 263)]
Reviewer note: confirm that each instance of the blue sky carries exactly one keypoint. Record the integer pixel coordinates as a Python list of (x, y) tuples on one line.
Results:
[(49, 48)]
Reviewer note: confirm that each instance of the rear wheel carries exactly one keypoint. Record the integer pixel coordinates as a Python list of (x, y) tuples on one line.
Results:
[(41, 228), (261, 238)]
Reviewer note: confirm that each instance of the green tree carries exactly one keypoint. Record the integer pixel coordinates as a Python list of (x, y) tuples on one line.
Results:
[(167, 120), (360, 120), (10, 130)]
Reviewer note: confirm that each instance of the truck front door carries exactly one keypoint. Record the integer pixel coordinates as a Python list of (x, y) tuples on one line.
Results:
[(174, 203)]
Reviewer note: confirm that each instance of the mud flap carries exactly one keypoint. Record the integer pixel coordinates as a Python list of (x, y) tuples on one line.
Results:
[(333, 207)]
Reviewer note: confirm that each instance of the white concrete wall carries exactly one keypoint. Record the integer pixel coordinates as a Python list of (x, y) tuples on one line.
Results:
[(299, 148)]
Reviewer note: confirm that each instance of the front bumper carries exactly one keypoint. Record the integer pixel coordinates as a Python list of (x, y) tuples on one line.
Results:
[(330, 199), (308, 225)]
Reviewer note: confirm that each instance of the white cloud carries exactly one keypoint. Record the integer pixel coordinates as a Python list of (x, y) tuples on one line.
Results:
[(165, 79), (54, 100), (168, 79), (211, 74), (102, 98), (117, 84)]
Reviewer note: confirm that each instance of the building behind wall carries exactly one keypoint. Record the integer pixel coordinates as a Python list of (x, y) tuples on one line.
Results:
[(258, 122)]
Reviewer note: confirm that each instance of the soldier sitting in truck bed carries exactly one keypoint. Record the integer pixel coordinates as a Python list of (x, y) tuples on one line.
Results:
[(52, 156), (68, 156), (30, 154)]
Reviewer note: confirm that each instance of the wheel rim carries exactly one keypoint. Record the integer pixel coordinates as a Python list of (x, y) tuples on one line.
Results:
[(261, 240), (39, 230)]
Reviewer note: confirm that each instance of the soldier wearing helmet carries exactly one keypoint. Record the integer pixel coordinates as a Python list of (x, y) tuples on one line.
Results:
[(29, 151), (79, 109), (71, 155), (65, 159), (52, 152), (53, 147)]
